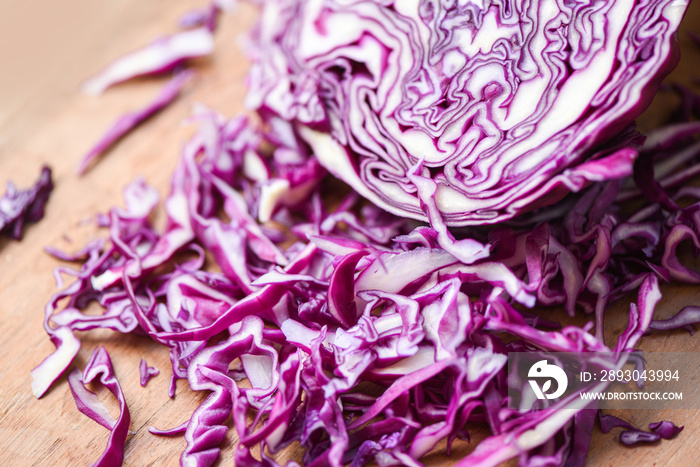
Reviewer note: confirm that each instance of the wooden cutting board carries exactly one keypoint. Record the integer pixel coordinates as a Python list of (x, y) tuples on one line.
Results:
[(46, 48)]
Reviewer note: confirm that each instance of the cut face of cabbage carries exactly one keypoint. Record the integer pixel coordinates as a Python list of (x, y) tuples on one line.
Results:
[(493, 99)]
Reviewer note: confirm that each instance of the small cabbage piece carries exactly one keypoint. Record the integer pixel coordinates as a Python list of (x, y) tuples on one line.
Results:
[(633, 435), (130, 120), (100, 366), (18, 207), (685, 318), (164, 54), (500, 103), (207, 16), (665, 429), (146, 372)]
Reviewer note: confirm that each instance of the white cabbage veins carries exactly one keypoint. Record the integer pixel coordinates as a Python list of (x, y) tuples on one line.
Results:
[(494, 100)]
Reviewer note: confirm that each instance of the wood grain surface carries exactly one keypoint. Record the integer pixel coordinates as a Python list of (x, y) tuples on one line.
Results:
[(46, 49)]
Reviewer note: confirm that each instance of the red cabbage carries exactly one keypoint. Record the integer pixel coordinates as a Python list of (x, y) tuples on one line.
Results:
[(162, 55), (318, 316), (685, 318), (88, 403), (499, 104), (633, 435), (128, 122), (665, 429), (19, 207), (366, 335), (146, 372), (207, 16)]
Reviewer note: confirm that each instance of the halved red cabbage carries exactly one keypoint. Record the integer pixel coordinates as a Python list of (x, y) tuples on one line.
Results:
[(500, 104)]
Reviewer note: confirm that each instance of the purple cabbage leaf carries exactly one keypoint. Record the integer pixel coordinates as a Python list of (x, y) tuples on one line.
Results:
[(20, 207)]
